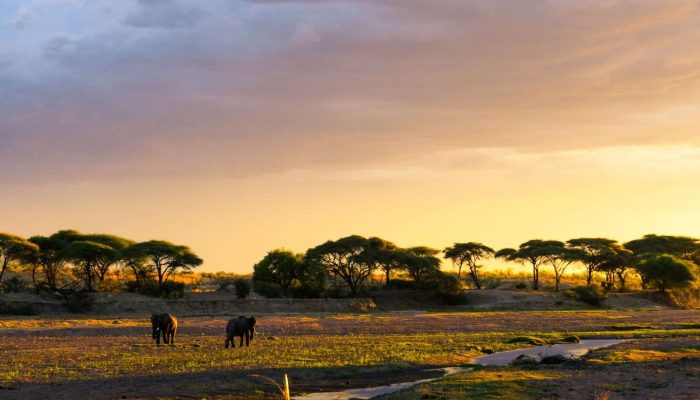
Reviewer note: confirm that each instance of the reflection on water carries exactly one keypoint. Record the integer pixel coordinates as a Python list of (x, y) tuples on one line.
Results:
[(570, 350)]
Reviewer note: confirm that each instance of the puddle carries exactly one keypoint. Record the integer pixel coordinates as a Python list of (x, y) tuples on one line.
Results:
[(569, 350), (501, 358)]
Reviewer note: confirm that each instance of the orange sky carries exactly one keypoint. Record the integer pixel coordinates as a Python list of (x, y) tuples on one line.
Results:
[(239, 126)]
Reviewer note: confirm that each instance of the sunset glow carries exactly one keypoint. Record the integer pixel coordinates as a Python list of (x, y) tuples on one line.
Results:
[(240, 126)]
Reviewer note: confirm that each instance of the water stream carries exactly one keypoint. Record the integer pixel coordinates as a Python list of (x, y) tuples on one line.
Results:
[(569, 350)]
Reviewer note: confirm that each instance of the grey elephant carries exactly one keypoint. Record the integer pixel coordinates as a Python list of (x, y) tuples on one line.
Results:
[(241, 326), (166, 325)]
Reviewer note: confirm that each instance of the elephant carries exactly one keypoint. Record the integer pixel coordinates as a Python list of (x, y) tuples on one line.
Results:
[(241, 326), (165, 324)]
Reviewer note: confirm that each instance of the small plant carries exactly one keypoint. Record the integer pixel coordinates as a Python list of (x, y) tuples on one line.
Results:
[(601, 396), (520, 286), (23, 309), (593, 295), (527, 340), (15, 285), (242, 288), (286, 395), (362, 305)]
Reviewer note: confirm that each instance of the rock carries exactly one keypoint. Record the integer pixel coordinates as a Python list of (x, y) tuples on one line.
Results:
[(524, 359), (570, 339), (554, 359)]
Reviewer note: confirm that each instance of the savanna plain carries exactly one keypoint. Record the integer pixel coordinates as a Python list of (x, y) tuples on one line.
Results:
[(114, 357)]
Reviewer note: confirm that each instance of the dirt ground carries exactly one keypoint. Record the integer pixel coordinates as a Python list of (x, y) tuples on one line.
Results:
[(107, 358)]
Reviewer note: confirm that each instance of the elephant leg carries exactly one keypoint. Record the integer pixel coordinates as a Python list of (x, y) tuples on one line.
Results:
[(165, 337), (158, 338), (172, 338), (247, 339), (241, 343)]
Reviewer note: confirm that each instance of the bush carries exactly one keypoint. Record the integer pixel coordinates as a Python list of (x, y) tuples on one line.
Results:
[(446, 288), (242, 288), (308, 290), (17, 309), (593, 295), (267, 289), (362, 305), (520, 286), (170, 290), (527, 340), (401, 284), (15, 285), (78, 302)]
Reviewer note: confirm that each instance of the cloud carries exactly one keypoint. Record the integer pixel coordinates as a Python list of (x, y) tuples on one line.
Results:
[(304, 35), (166, 88), (165, 14), (22, 18)]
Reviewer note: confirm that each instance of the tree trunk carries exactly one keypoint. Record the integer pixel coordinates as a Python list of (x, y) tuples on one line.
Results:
[(589, 276), (386, 281), (476, 279), (88, 277), (36, 288), (4, 266), (621, 278), (535, 278)]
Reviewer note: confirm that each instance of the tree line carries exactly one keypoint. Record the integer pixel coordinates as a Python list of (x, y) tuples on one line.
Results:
[(70, 260), (661, 262)]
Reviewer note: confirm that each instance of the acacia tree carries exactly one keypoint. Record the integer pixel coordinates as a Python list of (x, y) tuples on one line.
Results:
[(594, 252), (385, 256), (470, 254), (279, 267), (14, 249), (617, 263), (420, 262), (87, 255), (103, 264), (666, 271), (347, 258), (51, 257), (684, 247), (163, 257), (560, 256), (533, 252)]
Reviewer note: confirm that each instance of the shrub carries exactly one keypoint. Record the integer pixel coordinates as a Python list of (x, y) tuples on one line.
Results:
[(527, 340), (15, 285), (170, 290), (242, 288), (17, 309), (520, 286), (78, 302), (308, 290), (267, 289), (593, 295), (362, 305), (401, 284)]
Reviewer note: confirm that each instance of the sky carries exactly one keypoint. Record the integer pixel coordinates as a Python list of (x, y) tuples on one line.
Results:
[(239, 126)]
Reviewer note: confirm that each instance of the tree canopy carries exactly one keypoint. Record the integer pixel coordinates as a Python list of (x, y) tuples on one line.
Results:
[(14, 249), (469, 254), (163, 257), (665, 271), (346, 258), (533, 252)]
